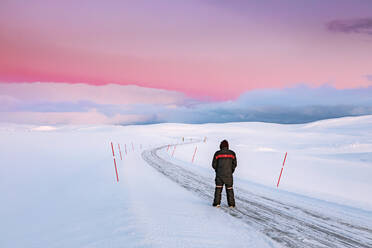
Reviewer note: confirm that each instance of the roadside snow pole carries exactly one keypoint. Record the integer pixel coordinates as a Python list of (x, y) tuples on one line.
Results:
[(125, 149), (132, 146), (281, 171), (116, 170), (196, 148), (121, 158), (174, 150), (168, 147)]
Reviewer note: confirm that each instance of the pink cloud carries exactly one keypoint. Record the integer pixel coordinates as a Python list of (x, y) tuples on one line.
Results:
[(105, 94)]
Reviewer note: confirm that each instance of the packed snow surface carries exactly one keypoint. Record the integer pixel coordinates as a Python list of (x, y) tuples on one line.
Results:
[(58, 186)]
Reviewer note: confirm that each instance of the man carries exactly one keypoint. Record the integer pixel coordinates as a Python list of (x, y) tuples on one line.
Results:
[(224, 164)]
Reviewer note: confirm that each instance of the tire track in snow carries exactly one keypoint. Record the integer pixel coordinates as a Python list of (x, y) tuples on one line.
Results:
[(289, 225)]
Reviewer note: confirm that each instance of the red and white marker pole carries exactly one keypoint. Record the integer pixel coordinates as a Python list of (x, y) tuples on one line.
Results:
[(116, 170), (168, 147), (132, 146), (196, 148), (174, 150), (125, 149), (281, 171), (121, 158)]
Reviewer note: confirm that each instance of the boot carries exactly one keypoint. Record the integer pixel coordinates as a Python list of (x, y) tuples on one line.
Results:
[(230, 196), (217, 196)]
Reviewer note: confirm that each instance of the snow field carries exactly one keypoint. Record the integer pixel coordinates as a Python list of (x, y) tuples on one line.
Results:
[(58, 185)]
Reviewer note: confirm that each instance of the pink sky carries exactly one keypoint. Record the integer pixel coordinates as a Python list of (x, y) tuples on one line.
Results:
[(205, 49)]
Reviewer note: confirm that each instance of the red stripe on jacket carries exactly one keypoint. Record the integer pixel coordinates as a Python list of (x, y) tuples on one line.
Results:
[(225, 156)]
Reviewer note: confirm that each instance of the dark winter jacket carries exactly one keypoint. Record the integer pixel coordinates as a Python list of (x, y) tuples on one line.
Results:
[(224, 163)]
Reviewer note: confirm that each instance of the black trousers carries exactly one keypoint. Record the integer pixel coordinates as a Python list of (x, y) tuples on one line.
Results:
[(228, 182)]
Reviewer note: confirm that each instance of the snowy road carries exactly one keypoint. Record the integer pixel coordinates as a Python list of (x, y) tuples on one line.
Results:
[(287, 223)]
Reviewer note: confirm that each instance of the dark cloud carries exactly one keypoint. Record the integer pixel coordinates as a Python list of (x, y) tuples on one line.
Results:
[(361, 26), (300, 104), (271, 114)]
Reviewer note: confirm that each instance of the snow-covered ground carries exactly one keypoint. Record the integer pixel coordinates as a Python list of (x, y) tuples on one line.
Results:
[(58, 185)]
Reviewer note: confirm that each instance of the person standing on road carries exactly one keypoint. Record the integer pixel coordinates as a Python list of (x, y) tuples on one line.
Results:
[(224, 164)]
